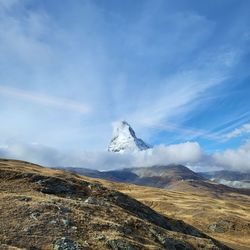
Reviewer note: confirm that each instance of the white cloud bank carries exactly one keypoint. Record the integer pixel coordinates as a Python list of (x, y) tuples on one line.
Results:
[(237, 159), (184, 153), (188, 153)]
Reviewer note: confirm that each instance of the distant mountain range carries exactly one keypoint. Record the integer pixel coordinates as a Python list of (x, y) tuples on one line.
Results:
[(156, 176), (229, 178), (173, 177)]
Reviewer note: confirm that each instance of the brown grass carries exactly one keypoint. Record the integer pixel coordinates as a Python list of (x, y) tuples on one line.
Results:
[(32, 219), (199, 209)]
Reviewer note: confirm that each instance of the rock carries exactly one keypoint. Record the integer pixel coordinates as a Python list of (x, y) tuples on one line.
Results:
[(122, 229), (176, 244), (94, 201), (28, 230), (221, 226), (65, 210), (25, 198), (91, 200), (35, 215), (121, 245), (95, 186), (53, 222), (101, 237), (67, 222), (86, 245), (56, 186), (66, 244), (170, 243), (158, 235)]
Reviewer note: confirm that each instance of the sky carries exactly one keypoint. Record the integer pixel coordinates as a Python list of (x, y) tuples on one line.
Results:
[(177, 71)]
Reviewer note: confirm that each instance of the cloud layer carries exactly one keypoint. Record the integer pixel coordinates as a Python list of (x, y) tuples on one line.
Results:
[(188, 153), (236, 159)]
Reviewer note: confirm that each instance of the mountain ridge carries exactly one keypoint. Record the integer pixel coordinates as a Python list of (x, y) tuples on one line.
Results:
[(172, 176)]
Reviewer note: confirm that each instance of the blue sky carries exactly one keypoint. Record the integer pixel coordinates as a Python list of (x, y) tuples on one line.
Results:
[(177, 71)]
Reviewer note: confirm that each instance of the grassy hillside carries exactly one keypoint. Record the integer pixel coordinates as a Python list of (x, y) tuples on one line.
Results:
[(222, 215), (42, 208)]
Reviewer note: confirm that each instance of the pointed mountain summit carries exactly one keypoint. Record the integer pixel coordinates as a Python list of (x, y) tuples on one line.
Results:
[(124, 139)]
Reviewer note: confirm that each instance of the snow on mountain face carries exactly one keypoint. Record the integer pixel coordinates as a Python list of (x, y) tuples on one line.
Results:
[(124, 139)]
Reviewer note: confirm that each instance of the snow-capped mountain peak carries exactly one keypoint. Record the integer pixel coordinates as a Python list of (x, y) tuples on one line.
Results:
[(124, 139)]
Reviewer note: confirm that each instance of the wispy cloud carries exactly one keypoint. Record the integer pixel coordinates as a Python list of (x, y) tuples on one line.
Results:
[(189, 132), (50, 101), (219, 133), (154, 65), (177, 96), (244, 129)]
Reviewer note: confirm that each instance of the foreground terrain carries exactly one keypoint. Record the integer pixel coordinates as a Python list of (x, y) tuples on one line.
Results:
[(222, 215), (42, 208), (222, 212)]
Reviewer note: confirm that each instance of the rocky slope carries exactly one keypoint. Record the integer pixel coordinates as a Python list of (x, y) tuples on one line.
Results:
[(42, 208), (222, 215)]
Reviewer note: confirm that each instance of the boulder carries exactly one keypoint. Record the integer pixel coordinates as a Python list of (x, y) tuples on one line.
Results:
[(66, 244), (121, 245), (94, 201), (220, 226)]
